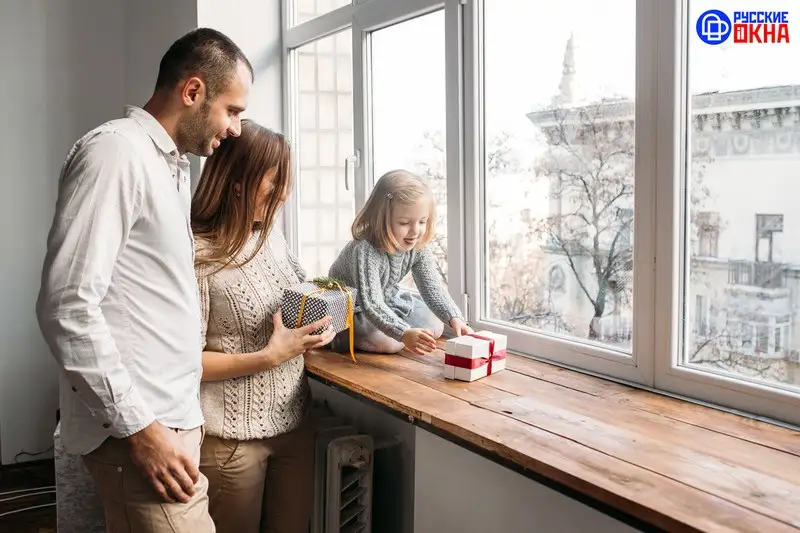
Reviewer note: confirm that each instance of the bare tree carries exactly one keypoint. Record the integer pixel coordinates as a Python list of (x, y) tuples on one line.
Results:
[(589, 162)]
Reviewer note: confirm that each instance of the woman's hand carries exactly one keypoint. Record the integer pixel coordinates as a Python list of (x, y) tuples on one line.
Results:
[(419, 341), (460, 328), (285, 343)]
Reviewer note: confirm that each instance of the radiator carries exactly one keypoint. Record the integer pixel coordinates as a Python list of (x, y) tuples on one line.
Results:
[(343, 490)]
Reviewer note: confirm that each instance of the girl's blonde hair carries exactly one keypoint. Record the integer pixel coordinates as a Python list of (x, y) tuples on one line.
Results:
[(374, 222)]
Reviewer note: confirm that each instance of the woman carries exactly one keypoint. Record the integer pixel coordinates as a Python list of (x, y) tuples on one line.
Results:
[(258, 453)]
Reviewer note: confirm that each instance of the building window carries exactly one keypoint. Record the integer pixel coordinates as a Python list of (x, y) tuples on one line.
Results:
[(767, 226), (708, 228), (701, 315), (556, 280)]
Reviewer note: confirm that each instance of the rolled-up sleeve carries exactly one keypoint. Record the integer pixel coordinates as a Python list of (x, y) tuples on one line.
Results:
[(100, 198)]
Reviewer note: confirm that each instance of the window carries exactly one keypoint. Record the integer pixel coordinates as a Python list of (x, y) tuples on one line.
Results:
[(708, 227), (701, 319), (559, 168), (324, 139), (305, 10), (408, 111), (741, 166), (615, 194), (768, 230)]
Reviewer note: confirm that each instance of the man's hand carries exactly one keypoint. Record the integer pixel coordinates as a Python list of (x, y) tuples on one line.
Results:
[(285, 343), (419, 341), (162, 460), (460, 328)]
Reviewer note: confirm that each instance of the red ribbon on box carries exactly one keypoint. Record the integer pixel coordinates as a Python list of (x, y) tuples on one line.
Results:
[(472, 364)]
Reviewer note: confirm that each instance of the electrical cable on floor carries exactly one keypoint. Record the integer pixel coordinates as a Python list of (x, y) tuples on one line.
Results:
[(29, 454), (32, 507), (28, 495), (6, 493)]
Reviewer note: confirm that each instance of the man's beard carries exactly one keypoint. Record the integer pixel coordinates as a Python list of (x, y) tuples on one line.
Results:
[(195, 134)]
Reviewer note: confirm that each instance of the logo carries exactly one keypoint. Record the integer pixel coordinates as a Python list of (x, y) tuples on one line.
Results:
[(714, 27), (748, 27)]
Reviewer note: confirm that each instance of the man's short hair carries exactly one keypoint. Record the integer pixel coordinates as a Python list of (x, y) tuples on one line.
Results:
[(206, 53)]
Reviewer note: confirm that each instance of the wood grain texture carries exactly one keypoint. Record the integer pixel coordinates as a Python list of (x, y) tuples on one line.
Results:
[(669, 463)]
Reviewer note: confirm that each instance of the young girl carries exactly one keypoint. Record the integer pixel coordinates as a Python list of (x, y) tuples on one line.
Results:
[(389, 238)]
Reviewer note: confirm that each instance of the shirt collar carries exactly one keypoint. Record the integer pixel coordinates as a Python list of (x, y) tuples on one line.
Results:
[(154, 129)]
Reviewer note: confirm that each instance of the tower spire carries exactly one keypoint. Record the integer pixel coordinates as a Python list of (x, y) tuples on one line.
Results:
[(566, 86)]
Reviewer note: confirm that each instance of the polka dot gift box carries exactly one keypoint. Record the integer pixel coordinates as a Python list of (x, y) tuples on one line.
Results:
[(313, 300)]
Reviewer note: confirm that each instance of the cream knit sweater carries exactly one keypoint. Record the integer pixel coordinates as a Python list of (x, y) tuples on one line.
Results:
[(237, 305)]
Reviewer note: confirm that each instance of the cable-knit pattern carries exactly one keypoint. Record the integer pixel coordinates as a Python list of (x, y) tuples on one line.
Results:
[(377, 276), (238, 303)]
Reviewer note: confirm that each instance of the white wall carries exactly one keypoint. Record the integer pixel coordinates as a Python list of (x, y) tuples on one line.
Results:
[(151, 26), (254, 25), (61, 76), (459, 491)]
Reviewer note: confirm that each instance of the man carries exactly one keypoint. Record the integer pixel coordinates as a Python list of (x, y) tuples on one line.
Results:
[(118, 301)]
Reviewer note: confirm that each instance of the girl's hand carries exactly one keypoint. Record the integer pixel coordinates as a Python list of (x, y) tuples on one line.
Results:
[(285, 343), (419, 341), (460, 328)]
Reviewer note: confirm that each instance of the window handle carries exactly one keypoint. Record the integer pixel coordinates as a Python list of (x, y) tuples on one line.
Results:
[(347, 160)]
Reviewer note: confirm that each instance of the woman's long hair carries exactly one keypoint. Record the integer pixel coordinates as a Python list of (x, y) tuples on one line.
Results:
[(223, 206)]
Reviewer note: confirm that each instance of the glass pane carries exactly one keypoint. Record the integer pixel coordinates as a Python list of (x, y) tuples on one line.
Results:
[(306, 10), (559, 163), (408, 112), (745, 158), (325, 119)]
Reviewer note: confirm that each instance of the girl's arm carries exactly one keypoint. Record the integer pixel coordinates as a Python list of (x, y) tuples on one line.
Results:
[(370, 293), (432, 289)]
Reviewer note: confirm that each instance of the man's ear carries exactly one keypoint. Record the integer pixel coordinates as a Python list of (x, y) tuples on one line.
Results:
[(194, 91)]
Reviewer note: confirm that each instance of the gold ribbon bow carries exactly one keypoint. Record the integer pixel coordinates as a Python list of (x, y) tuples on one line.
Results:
[(329, 284)]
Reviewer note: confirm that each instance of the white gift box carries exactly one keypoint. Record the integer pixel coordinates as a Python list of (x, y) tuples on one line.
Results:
[(475, 356)]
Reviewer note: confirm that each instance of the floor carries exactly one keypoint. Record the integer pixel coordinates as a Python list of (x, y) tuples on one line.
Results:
[(24, 477)]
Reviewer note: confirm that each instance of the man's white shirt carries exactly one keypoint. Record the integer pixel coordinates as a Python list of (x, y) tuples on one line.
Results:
[(118, 302)]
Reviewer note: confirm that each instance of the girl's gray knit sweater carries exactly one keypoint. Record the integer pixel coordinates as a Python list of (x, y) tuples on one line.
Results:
[(377, 274)]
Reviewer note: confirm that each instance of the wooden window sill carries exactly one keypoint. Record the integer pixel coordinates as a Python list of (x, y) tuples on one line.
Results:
[(652, 461)]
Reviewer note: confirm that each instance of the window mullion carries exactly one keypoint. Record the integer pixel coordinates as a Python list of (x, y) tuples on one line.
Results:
[(472, 141), (454, 103), (645, 171), (669, 158)]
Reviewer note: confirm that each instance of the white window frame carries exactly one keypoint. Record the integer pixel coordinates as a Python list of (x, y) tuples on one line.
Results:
[(582, 355), (671, 269), (661, 237), (364, 17)]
